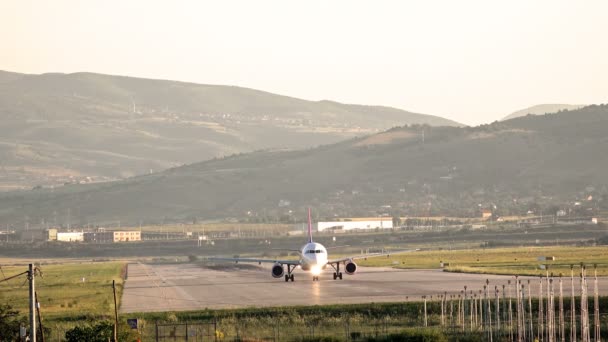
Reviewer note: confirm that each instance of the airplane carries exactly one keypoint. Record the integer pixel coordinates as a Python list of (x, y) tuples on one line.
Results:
[(313, 259)]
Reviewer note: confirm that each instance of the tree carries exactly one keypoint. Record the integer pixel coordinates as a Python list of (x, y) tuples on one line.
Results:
[(396, 221), (10, 322)]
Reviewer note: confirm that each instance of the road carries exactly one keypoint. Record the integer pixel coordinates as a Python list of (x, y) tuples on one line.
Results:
[(183, 287)]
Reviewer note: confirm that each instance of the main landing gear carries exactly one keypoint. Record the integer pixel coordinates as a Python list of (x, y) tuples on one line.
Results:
[(337, 274), (289, 275)]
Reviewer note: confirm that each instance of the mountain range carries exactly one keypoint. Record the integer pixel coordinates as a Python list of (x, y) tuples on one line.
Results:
[(86, 127), (512, 166)]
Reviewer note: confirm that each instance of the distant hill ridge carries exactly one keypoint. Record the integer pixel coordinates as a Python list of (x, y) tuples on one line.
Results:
[(515, 165), (83, 127), (542, 109)]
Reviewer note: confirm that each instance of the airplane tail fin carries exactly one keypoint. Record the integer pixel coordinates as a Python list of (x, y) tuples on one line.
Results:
[(309, 227)]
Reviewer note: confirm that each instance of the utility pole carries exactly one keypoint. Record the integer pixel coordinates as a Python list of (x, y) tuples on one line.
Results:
[(115, 312), (425, 316), (39, 317), (30, 276)]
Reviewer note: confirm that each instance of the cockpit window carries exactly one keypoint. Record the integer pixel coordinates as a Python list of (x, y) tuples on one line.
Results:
[(318, 251), (312, 251)]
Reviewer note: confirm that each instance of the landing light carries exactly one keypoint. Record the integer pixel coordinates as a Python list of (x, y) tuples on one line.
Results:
[(315, 270)]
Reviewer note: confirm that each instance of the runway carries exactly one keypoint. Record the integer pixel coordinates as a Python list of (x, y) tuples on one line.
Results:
[(183, 287)]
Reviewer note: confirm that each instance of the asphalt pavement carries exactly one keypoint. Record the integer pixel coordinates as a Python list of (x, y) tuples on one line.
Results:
[(182, 287)]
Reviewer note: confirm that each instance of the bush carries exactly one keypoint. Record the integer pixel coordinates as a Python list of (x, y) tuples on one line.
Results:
[(412, 335), (100, 332), (10, 321), (319, 339), (467, 337)]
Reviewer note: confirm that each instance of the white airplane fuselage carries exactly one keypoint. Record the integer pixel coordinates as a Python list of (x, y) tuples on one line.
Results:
[(313, 257)]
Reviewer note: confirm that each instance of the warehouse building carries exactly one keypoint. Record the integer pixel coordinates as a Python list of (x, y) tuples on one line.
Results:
[(354, 223), (70, 236)]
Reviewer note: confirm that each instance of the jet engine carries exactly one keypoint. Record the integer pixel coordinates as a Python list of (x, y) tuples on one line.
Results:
[(350, 267), (277, 270)]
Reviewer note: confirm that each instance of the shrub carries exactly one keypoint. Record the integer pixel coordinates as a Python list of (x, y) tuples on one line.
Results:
[(412, 335), (319, 339)]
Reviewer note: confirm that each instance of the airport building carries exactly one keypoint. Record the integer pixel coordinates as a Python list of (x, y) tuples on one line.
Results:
[(112, 236), (70, 236), (51, 234), (355, 223)]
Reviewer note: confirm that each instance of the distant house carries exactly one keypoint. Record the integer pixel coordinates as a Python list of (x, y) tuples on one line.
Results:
[(284, 203), (51, 234), (486, 214)]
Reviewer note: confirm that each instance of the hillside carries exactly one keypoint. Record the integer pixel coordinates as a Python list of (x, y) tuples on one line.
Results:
[(533, 162), (85, 127), (542, 109)]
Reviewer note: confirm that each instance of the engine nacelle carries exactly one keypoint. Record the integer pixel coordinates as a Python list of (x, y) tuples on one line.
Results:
[(277, 271), (350, 267)]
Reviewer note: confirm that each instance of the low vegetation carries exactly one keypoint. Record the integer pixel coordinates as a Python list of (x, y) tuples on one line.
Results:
[(517, 261)]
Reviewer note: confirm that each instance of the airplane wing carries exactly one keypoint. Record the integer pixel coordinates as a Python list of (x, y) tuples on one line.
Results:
[(259, 261), (365, 256)]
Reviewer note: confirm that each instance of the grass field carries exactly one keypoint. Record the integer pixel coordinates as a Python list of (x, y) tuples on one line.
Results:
[(521, 261), (65, 299)]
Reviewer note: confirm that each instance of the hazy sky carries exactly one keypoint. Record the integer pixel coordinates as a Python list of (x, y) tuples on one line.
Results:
[(470, 61)]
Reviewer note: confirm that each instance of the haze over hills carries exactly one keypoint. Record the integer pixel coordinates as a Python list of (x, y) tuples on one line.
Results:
[(86, 127), (527, 163), (541, 109)]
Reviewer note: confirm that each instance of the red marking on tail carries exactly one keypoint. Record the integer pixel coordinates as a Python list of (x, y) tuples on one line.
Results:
[(309, 227)]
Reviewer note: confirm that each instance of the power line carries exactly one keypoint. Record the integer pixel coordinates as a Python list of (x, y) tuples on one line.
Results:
[(3, 275), (13, 277)]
